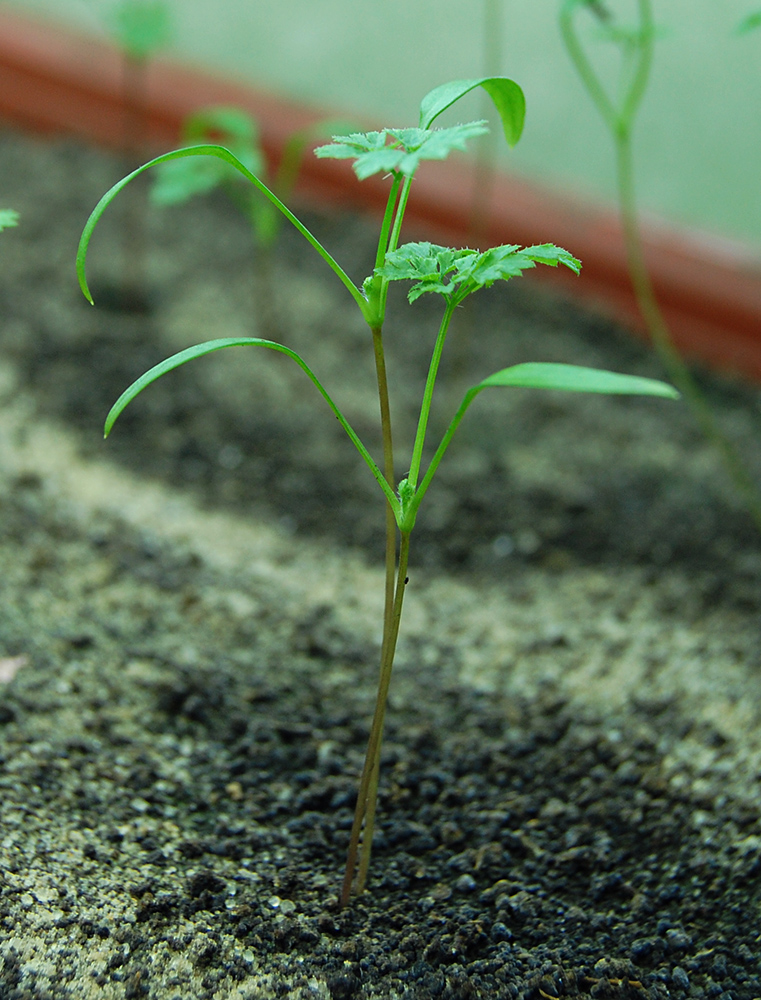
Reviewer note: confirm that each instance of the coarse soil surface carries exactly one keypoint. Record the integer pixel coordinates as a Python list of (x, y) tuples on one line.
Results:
[(190, 621)]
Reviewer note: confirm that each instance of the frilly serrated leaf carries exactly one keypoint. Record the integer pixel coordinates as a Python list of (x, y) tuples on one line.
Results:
[(399, 150), (457, 273), (425, 263), (548, 253), (495, 264)]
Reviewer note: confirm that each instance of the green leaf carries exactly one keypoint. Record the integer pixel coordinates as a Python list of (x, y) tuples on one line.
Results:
[(294, 149), (425, 263), (208, 347), (573, 378), (142, 26), (466, 270), (223, 154), (230, 127), (495, 264), (548, 253), (180, 180), (506, 94), (8, 218), (542, 375), (399, 150)]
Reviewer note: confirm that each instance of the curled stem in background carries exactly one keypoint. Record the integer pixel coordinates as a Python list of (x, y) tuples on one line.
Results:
[(619, 116)]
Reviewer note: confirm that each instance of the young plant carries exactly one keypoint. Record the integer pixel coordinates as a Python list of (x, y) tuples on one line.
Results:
[(234, 128), (619, 115), (140, 29), (451, 273)]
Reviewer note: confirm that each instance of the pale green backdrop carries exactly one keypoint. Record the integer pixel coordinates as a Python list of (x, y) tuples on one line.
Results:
[(699, 134)]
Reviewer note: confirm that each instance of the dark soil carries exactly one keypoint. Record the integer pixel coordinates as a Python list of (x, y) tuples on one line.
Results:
[(189, 625)]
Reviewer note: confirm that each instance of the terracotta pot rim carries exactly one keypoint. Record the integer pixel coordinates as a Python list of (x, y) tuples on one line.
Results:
[(55, 80)]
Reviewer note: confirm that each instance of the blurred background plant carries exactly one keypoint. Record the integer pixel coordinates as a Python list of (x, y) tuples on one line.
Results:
[(141, 29), (235, 129), (698, 147), (618, 106)]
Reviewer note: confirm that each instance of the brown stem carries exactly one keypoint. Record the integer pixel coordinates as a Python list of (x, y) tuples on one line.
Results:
[(388, 471), (364, 813)]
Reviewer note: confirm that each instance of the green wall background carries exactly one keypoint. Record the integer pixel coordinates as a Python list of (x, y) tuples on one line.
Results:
[(699, 131)]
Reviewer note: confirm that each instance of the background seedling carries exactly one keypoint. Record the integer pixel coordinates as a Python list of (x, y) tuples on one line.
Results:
[(451, 273), (140, 28), (234, 128), (636, 44)]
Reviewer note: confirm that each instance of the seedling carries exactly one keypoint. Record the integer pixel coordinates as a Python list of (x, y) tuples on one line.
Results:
[(180, 180), (451, 273), (140, 29), (636, 44)]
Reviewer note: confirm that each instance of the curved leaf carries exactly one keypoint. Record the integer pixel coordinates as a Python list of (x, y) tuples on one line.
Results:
[(228, 157), (542, 375), (507, 96), (208, 347)]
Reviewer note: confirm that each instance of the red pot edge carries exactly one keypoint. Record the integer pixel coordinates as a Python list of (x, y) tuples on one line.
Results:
[(55, 80)]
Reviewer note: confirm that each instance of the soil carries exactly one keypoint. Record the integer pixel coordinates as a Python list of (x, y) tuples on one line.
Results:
[(189, 629)]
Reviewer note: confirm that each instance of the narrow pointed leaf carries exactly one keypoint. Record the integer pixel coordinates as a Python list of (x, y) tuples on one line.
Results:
[(399, 149), (347, 147), (223, 154), (574, 378), (505, 93), (230, 127), (544, 375), (466, 270)]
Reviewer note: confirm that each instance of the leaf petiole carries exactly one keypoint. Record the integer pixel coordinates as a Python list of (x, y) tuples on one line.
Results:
[(425, 409)]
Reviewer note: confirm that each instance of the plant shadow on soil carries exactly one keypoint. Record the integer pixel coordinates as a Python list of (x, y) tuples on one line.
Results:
[(180, 744)]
